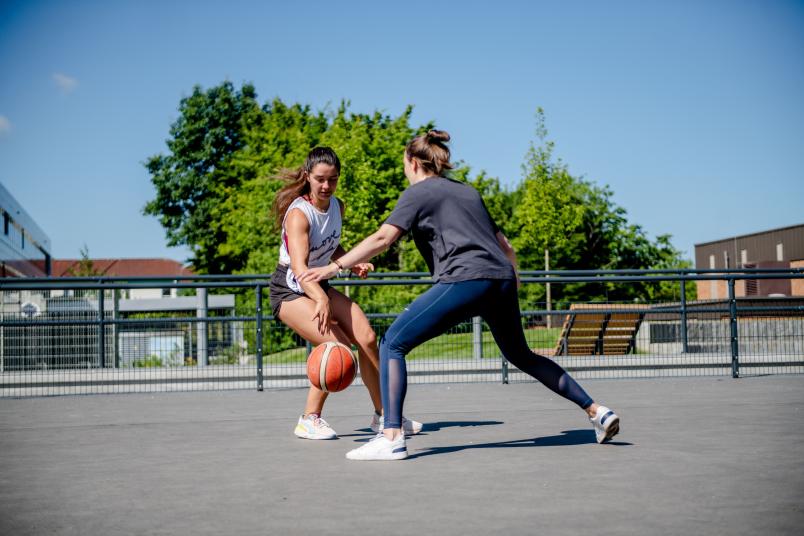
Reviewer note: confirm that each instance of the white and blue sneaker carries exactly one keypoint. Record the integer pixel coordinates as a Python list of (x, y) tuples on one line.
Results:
[(409, 426), (380, 449), (314, 427), (606, 423)]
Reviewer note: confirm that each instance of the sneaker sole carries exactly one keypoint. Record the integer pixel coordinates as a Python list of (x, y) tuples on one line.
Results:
[(612, 430), (305, 435), (398, 456)]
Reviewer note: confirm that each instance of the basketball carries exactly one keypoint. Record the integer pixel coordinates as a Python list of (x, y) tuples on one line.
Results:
[(331, 367)]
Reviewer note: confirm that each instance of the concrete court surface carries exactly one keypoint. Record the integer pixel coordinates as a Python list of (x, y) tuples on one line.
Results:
[(695, 456)]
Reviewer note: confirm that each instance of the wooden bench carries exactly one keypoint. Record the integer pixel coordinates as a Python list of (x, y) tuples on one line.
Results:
[(612, 332)]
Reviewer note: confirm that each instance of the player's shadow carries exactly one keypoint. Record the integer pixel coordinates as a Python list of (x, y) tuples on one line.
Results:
[(431, 427), (436, 426), (567, 438)]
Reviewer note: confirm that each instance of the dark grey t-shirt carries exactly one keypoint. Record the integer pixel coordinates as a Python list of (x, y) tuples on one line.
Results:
[(452, 229)]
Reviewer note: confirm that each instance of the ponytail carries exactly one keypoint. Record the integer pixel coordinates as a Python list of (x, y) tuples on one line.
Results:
[(431, 151)]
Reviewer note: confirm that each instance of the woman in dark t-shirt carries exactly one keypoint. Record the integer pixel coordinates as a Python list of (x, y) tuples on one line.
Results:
[(474, 267)]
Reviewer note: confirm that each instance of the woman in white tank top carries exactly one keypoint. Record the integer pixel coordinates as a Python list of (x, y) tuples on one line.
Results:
[(323, 236), (310, 217)]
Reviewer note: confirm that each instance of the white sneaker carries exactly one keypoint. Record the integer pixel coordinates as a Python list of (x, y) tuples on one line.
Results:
[(410, 427), (314, 427), (606, 424), (380, 448)]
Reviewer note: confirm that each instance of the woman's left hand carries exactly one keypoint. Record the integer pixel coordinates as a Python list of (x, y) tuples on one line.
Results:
[(361, 270), (317, 274)]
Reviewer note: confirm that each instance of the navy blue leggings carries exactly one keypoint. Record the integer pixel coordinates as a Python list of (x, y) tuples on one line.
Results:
[(448, 304)]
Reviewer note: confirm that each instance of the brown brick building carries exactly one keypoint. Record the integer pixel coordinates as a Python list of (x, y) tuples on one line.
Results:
[(777, 248)]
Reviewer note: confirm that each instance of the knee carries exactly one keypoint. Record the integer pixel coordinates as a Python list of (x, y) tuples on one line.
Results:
[(393, 347), (366, 338)]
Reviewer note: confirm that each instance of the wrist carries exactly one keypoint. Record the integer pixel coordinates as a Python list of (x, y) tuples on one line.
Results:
[(338, 264)]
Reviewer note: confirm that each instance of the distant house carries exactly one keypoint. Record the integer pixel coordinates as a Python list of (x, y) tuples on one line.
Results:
[(777, 248), (170, 343), (166, 268)]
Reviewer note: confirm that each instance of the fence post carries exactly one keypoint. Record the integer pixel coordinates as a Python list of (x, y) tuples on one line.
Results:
[(684, 341), (101, 330), (115, 328), (735, 362), (201, 327), (547, 297), (477, 337), (259, 337)]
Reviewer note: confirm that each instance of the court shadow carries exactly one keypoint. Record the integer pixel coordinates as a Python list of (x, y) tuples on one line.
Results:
[(567, 438), (427, 427), (436, 426)]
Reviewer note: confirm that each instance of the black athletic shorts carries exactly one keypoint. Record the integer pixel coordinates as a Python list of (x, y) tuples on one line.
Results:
[(281, 292)]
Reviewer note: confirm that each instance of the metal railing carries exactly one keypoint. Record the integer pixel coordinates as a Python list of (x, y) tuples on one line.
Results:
[(82, 335)]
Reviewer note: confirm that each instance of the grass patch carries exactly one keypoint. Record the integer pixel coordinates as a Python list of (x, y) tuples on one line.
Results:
[(447, 346)]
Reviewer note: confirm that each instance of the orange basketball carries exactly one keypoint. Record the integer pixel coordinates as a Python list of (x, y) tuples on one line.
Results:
[(331, 366)]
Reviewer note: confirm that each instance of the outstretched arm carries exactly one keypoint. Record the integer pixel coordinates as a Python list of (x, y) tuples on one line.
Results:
[(370, 246), (360, 269)]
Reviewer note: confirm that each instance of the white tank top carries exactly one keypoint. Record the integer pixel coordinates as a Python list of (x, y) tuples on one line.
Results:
[(324, 237)]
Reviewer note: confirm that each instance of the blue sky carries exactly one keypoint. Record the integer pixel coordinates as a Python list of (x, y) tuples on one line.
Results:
[(692, 112)]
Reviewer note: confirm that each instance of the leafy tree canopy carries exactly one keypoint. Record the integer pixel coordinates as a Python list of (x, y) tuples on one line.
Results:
[(216, 184)]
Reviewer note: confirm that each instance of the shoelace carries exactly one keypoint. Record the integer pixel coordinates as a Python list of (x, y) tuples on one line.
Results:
[(320, 423)]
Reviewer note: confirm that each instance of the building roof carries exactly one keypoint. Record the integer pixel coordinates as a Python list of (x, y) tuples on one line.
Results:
[(739, 237), (123, 267)]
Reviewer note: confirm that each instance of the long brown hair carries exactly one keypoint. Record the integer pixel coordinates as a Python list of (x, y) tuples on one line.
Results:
[(296, 180), (431, 151)]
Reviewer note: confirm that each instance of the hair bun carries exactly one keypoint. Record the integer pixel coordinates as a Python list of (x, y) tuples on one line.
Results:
[(438, 135)]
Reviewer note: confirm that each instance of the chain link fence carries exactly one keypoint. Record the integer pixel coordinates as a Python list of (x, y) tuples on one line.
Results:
[(98, 335)]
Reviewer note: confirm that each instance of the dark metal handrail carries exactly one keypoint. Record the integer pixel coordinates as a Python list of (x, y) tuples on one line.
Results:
[(258, 282)]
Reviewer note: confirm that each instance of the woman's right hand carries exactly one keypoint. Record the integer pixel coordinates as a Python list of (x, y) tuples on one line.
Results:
[(323, 315)]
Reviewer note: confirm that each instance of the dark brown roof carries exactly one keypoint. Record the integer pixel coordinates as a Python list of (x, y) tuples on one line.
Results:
[(123, 267)]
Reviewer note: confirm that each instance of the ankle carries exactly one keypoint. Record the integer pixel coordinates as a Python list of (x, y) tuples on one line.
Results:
[(591, 411), (392, 433)]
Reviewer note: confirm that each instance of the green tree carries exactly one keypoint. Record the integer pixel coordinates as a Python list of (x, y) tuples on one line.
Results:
[(216, 185), (280, 138), (85, 267), (582, 227), (192, 178)]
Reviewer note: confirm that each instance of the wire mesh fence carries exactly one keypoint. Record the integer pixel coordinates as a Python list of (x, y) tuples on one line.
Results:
[(82, 336)]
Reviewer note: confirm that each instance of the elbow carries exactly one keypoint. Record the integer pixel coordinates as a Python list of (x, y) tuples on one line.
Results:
[(384, 242)]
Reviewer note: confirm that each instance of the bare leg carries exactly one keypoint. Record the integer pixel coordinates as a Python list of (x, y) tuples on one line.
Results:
[(356, 327), (298, 316)]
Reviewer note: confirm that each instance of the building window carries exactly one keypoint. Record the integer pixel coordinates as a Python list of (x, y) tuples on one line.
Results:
[(5, 223), (780, 252), (743, 257), (711, 262)]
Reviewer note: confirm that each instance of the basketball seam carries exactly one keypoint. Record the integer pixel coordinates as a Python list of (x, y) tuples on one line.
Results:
[(322, 371)]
